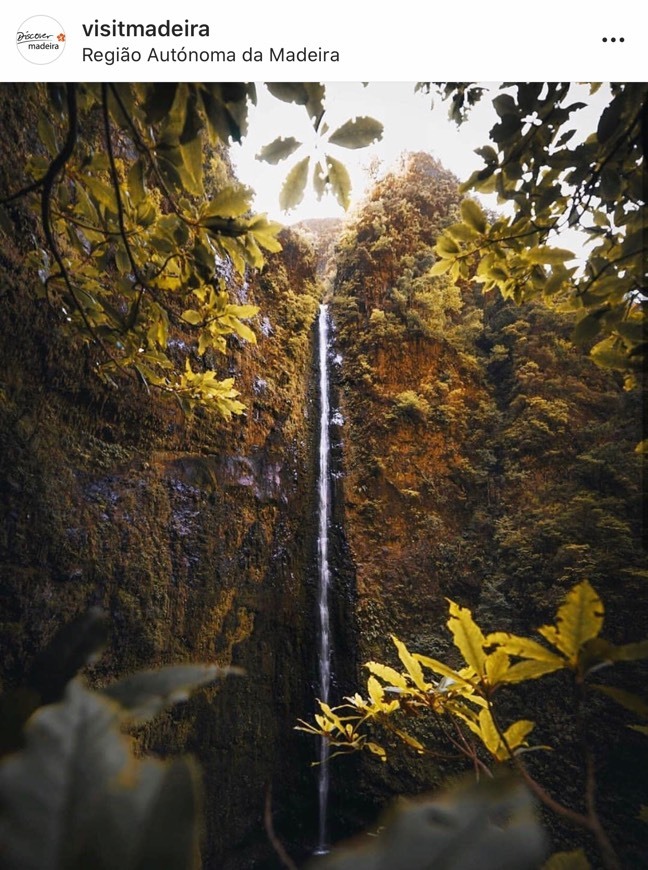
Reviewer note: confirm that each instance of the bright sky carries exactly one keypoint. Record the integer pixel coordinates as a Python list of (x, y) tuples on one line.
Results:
[(410, 125), (412, 122)]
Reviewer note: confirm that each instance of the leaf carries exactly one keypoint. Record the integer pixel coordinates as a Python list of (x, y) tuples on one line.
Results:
[(531, 669), (440, 267), (628, 700), (412, 666), (496, 666), (159, 102), (171, 834), (145, 693), (340, 181), (468, 637), (93, 804), (135, 183), (442, 669), (389, 675), (578, 620), (294, 186), (47, 135), (243, 331), (376, 749), (524, 647), (489, 734), (192, 317), (357, 133), (278, 150), (309, 94), (517, 733), (490, 825), (547, 256), (575, 860), (75, 645), (230, 202), (375, 691), (472, 214), (628, 652)]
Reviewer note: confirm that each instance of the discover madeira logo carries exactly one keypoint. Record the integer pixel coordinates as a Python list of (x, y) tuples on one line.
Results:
[(40, 39)]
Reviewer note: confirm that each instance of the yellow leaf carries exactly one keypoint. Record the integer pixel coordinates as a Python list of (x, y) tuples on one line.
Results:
[(411, 664), (473, 215), (389, 675), (523, 647), (243, 331), (409, 740), (468, 637), (488, 733), (575, 860), (578, 620), (517, 733), (497, 665), (443, 670), (376, 749), (530, 670), (375, 691)]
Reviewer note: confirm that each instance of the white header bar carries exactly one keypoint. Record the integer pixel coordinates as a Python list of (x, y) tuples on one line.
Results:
[(339, 40)]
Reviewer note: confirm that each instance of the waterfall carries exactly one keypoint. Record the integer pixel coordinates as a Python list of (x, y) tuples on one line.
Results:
[(324, 654)]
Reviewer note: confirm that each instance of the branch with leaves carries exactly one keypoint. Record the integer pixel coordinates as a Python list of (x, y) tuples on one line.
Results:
[(145, 243), (466, 696), (552, 184)]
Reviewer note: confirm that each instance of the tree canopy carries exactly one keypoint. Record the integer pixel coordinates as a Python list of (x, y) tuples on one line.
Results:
[(595, 185), (145, 235)]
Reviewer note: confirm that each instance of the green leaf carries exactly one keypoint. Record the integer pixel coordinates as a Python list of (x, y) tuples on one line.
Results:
[(243, 331), (278, 150), (230, 202), (339, 180), (192, 317), (294, 186), (472, 214), (357, 133), (135, 182), (517, 733), (159, 101), (309, 94)]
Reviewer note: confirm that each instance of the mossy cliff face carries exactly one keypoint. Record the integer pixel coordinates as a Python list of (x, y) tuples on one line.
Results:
[(488, 461), (197, 537)]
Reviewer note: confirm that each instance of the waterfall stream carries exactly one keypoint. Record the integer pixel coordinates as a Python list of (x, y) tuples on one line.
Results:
[(324, 653)]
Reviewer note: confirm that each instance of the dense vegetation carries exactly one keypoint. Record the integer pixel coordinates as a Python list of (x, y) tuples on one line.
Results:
[(487, 460), (483, 458)]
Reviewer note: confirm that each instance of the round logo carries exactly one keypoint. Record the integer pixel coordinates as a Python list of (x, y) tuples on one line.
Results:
[(40, 39)]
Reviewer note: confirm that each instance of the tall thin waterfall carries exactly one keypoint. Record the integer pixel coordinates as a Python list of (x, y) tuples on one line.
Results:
[(324, 574)]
